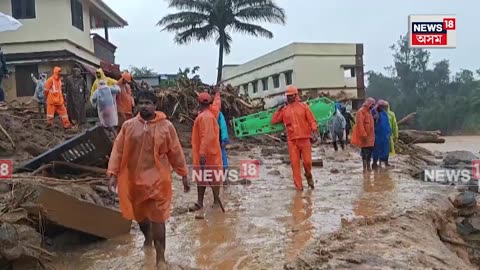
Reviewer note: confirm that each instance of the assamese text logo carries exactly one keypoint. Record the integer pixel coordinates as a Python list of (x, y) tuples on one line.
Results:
[(432, 31)]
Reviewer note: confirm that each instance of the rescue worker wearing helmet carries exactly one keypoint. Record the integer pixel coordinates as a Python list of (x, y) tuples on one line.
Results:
[(300, 125)]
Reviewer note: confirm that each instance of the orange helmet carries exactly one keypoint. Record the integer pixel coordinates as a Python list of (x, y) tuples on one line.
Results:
[(204, 98), (291, 90)]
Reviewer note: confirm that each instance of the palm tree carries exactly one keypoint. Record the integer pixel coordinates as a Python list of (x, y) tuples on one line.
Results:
[(202, 20)]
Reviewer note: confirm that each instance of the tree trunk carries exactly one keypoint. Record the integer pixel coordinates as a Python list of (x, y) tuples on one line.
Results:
[(220, 57), (417, 136)]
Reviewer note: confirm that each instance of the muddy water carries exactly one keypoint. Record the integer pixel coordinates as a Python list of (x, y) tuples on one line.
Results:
[(467, 143), (267, 223)]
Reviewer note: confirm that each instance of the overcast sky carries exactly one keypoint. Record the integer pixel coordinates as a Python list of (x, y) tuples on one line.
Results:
[(377, 24)]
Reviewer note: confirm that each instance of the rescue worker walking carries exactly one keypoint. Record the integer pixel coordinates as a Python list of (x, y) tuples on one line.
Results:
[(206, 150), (223, 139), (382, 135), (77, 97), (348, 123), (363, 135), (125, 102), (55, 100), (143, 155), (392, 119), (100, 76), (105, 101), (39, 96), (337, 127), (300, 125)]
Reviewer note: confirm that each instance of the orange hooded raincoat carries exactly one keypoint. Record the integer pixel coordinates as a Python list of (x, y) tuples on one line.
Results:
[(205, 140), (55, 100), (363, 134), (142, 158), (299, 123), (125, 102)]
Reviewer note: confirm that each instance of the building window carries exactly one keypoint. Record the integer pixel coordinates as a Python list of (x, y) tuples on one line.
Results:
[(265, 84), (77, 14), (23, 82), (245, 89), (255, 86), (23, 9), (349, 72), (276, 81), (288, 78)]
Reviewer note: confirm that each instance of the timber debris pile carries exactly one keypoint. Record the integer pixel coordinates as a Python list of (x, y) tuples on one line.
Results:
[(180, 103)]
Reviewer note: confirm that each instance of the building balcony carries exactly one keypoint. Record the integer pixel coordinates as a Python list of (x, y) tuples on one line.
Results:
[(103, 49)]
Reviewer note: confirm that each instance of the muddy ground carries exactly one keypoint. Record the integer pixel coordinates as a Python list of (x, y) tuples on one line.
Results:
[(381, 220)]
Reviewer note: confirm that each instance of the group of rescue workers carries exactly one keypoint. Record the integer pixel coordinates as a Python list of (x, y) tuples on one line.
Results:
[(113, 99), (147, 147)]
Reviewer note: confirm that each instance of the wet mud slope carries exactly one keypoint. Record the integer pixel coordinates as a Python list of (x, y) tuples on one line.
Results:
[(380, 220)]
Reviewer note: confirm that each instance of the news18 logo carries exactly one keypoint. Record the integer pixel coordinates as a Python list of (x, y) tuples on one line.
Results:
[(432, 31)]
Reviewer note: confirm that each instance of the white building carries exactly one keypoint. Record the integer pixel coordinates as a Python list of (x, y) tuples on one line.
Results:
[(314, 68), (56, 33)]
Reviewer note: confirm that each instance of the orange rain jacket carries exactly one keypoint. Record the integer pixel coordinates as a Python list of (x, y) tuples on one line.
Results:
[(53, 88), (363, 134), (125, 101), (205, 136), (142, 158), (298, 120), (299, 123)]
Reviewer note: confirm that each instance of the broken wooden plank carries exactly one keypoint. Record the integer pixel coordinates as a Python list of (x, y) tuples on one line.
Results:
[(79, 215)]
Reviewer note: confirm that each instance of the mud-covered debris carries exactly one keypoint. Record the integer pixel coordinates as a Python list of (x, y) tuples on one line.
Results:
[(334, 171), (269, 151), (459, 158), (274, 173), (465, 199)]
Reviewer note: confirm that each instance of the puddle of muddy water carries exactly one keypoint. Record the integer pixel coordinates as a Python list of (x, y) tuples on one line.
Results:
[(266, 224)]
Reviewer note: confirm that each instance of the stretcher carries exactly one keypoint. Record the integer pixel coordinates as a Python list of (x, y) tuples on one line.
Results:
[(259, 123)]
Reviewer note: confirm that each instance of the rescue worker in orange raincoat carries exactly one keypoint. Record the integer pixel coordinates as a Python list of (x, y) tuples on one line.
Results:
[(125, 102), (300, 125), (363, 135), (206, 151), (145, 151), (55, 100)]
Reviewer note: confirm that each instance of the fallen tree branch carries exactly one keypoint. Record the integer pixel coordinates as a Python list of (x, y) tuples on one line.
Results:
[(405, 120), (417, 136), (8, 136), (41, 169), (74, 166)]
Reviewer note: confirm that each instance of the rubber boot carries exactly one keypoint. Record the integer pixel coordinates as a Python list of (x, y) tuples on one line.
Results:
[(310, 180)]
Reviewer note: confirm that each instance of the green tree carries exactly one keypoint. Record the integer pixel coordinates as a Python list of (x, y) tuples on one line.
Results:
[(142, 72), (442, 101), (202, 20)]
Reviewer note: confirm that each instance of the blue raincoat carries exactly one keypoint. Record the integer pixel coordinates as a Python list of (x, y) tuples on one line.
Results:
[(382, 137), (223, 138)]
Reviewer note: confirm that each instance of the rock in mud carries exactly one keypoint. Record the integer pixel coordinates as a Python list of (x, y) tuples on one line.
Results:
[(334, 171), (465, 199), (274, 172), (268, 151), (459, 158)]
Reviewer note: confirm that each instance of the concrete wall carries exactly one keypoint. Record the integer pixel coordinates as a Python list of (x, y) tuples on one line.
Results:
[(56, 45), (322, 71), (53, 22), (315, 66)]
